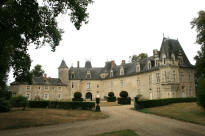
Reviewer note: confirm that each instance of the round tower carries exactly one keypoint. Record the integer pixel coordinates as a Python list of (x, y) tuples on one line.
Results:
[(63, 72)]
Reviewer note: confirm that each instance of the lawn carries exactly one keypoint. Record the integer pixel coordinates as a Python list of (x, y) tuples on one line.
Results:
[(126, 132), (190, 112), (40, 117)]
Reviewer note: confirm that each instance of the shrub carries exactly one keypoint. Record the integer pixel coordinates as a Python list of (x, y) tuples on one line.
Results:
[(201, 93), (111, 97), (62, 105), (123, 94), (5, 105), (161, 102), (124, 100), (77, 96), (19, 101), (111, 94)]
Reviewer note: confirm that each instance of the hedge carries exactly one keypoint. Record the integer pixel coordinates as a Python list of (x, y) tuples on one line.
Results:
[(161, 102), (5, 105), (62, 105), (77, 99), (111, 99), (124, 101)]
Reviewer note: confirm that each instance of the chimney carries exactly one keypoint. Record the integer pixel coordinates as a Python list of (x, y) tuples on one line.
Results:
[(45, 77), (123, 62), (113, 63), (78, 64)]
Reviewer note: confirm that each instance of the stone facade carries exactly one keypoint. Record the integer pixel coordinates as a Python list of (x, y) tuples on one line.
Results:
[(166, 74)]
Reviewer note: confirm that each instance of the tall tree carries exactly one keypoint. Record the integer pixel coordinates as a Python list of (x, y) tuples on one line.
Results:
[(23, 22), (37, 71), (140, 56), (199, 24)]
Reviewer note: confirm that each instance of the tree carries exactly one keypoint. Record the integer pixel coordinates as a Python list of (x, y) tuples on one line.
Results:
[(199, 24), (37, 71), (140, 56), (23, 22)]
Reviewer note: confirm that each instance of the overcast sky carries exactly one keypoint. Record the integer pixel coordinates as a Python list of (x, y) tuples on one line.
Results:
[(118, 29)]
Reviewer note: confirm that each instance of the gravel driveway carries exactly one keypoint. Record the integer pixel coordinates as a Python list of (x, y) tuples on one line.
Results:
[(121, 117)]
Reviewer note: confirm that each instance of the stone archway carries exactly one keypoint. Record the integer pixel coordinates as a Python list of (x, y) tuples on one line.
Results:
[(88, 95)]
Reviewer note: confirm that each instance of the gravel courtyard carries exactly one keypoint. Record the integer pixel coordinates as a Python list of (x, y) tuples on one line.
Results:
[(120, 117)]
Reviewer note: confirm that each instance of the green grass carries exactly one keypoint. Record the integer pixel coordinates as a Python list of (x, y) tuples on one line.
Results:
[(126, 132), (189, 112)]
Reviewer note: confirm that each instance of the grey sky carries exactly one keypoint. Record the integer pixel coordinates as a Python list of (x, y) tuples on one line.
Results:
[(118, 29)]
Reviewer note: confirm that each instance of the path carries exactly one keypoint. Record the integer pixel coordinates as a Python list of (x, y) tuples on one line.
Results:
[(121, 117)]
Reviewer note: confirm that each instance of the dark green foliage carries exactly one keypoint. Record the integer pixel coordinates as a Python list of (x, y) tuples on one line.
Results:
[(111, 97), (161, 102), (124, 100), (5, 94), (26, 22), (19, 101), (37, 71), (77, 96), (134, 58), (62, 105), (201, 93), (123, 94), (5, 105)]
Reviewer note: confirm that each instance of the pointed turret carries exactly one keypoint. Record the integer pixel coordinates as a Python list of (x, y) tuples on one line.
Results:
[(63, 72), (63, 65)]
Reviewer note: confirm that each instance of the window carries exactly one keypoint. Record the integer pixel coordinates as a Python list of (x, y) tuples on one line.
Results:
[(28, 96), (138, 91), (150, 79), (174, 75), (111, 73), (72, 85), (164, 62), (72, 75), (165, 76), (59, 88), (181, 76), (138, 81), (138, 68), (189, 76), (158, 77), (88, 74), (149, 65), (28, 87), (121, 71), (98, 86), (14, 94), (46, 96), (59, 96), (88, 85), (39, 88), (46, 87), (121, 83)]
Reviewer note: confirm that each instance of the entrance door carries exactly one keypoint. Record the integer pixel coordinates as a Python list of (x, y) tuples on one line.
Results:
[(88, 96)]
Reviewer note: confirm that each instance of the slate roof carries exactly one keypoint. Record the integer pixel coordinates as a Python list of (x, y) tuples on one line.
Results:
[(63, 65), (42, 81), (168, 47)]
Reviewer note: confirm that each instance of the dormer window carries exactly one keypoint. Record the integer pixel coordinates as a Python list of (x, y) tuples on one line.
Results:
[(111, 73), (121, 71), (138, 68), (149, 65), (88, 75), (72, 75), (164, 59)]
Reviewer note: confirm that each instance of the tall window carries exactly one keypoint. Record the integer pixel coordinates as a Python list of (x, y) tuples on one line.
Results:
[(59, 88), (59, 96), (28, 87), (158, 77), (46, 96), (72, 75), (174, 75), (165, 76), (121, 83), (150, 79), (181, 76), (72, 85), (149, 65), (28, 96), (88, 85), (111, 73), (121, 71), (88, 74), (138, 68)]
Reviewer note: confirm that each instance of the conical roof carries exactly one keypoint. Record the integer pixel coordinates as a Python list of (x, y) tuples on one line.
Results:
[(63, 65)]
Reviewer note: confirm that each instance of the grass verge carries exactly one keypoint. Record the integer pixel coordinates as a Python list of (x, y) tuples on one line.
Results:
[(39, 117), (126, 132), (189, 112)]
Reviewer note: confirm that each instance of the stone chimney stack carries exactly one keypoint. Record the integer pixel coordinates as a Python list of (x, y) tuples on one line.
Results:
[(123, 62), (113, 63), (78, 64)]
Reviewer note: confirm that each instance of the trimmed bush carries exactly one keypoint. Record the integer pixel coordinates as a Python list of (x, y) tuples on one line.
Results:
[(201, 93), (62, 105), (111, 97), (77, 96), (161, 102), (5, 105), (124, 101), (123, 94), (19, 101)]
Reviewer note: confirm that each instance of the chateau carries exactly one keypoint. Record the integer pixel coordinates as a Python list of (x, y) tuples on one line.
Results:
[(166, 74)]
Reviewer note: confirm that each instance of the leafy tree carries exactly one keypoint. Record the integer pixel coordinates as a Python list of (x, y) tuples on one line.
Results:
[(23, 22), (140, 56), (199, 24), (37, 71)]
